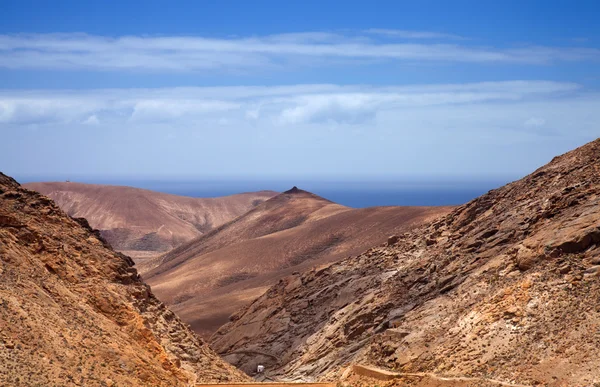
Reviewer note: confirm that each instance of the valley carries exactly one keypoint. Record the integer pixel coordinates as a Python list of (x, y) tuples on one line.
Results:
[(208, 279), (486, 291), (299, 193), (316, 292)]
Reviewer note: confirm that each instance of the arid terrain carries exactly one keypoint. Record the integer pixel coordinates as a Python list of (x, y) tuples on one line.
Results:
[(504, 289), (501, 291), (73, 312), (141, 223), (206, 280), (409, 193)]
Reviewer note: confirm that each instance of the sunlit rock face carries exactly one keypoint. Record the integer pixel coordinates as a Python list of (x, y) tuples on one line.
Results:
[(506, 286), (75, 312)]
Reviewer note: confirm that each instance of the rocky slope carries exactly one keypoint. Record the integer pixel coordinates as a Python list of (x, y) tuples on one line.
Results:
[(143, 223), (504, 287), (73, 312), (208, 279)]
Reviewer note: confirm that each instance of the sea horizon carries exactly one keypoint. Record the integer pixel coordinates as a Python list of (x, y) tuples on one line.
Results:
[(351, 193)]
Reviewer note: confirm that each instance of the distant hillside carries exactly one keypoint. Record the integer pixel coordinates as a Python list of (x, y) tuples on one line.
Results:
[(142, 223), (209, 278), (504, 288), (73, 312)]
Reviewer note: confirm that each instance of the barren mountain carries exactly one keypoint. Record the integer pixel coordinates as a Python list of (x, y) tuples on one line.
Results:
[(208, 279), (75, 313), (505, 287), (142, 223)]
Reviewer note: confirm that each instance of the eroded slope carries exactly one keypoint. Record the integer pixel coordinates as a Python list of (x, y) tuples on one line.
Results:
[(142, 223), (208, 279), (74, 312), (506, 286)]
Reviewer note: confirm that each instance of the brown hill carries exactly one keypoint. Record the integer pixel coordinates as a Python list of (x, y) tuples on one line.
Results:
[(506, 287), (142, 223), (74, 312), (206, 280)]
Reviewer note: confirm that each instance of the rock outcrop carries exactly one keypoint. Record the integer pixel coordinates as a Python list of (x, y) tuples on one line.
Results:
[(74, 312), (505, 287)]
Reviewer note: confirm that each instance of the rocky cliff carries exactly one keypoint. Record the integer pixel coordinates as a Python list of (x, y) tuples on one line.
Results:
[(74, 312), (506, 286)]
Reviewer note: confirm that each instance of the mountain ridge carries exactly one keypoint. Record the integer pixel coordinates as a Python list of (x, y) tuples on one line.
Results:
[(266, 229), (505, 286), (207, 279), (144, 223)]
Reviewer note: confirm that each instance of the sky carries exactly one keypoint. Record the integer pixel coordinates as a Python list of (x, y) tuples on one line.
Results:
[(284, 89)]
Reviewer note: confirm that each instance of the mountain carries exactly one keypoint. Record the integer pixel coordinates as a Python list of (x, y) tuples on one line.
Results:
[(505, 287), (74, 312), (206, 280), (142, 223)]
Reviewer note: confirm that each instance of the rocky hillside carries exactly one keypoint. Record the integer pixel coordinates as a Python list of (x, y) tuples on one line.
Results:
[(142, 223), (504, 287), (282, 212), (208, 279), (74, 312)]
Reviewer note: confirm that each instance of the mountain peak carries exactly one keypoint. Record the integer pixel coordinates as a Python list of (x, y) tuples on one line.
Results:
[(294, 190)]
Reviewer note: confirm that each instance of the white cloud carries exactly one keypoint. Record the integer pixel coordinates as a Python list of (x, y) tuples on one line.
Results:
[(490, 128), (155, 110), (412, 34), (352, 104), (26, 108), (534, 122), (193, 53), (253, 114), (91, 120), (350, 108)]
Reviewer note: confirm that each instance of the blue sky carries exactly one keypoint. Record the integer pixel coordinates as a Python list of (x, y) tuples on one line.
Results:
[(312, 89)]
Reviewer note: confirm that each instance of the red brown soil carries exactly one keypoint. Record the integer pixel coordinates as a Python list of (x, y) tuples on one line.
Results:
[(144, 224), (74, 312), (205, 281), (505, 287)]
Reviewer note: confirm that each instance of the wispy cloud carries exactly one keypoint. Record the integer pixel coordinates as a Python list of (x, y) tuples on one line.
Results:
[(404, 34), (193, 53), (357, 130), (283, 104), (534, 122)]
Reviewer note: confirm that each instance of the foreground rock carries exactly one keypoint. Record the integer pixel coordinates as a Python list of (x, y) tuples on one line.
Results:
[(74, 312), (505, 287)]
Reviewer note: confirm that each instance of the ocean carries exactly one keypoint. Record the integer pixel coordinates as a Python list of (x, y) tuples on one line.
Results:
[(357, 194)]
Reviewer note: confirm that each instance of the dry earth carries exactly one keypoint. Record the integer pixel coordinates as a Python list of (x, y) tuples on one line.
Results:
[(369, 376), (75, 313), (144, 224), (505, 287), (205, 281)]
